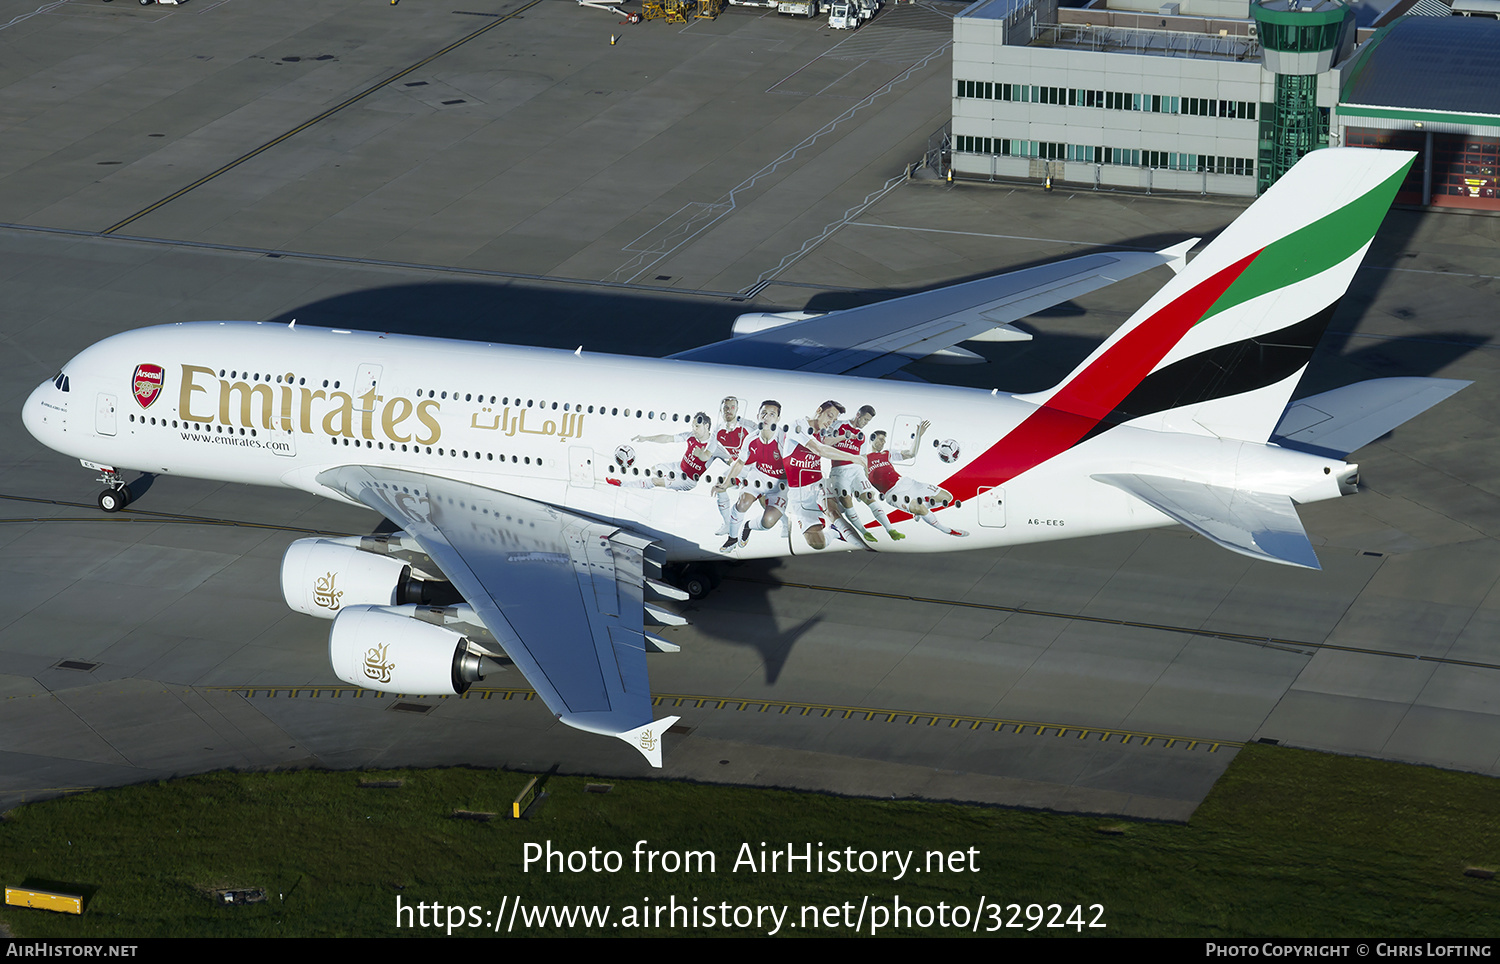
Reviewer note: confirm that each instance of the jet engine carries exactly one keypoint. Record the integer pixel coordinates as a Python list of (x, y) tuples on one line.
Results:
[(319, 577), (388, 650)]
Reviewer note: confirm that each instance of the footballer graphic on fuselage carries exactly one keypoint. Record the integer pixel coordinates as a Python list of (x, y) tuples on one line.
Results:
[(560, 494), (807, 474)]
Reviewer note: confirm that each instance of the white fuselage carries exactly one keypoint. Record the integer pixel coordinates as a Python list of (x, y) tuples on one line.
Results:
[(276, 405)]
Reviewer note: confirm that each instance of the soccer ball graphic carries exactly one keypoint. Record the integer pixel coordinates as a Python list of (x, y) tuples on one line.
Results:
[(624, 456), (948, 450)]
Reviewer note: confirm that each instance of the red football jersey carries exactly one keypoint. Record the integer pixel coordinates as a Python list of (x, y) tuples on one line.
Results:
[(765, 456), (883, 474), (846, 438), (695, 459), (731, 439), (803, 466)]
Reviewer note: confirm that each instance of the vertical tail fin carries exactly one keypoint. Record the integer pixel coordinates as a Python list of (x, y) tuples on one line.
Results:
[(1220, 348)]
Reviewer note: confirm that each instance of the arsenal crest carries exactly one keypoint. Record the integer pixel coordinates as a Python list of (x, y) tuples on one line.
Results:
[(147, 381)]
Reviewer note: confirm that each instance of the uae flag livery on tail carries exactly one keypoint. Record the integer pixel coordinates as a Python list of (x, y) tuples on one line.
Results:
[(1219, 350)]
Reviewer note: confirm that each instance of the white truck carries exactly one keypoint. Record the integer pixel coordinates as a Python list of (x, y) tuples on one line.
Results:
[(843, 15), (798, 8)]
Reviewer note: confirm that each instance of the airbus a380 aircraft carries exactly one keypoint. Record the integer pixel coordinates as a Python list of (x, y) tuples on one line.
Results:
[(550, 488)]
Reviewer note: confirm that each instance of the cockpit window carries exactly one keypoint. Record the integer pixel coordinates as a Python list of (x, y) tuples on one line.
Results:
[(60, 382)]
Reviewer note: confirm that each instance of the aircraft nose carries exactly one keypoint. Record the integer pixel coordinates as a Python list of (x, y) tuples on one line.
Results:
[(34, 416)]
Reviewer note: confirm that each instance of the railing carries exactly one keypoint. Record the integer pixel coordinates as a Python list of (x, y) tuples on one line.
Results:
[(1139, 40)]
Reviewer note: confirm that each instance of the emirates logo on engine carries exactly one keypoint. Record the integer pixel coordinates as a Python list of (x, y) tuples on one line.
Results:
[(377, 667), (326, 594)]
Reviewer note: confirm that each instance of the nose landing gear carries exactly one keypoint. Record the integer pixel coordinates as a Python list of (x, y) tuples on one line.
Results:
[(117, 494)]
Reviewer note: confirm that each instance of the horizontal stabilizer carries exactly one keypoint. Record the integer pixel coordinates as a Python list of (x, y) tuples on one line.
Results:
[(1253, 524), (1347, 419)]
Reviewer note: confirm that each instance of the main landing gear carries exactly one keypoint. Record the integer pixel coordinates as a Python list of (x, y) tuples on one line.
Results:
[(697, 579), (117, 494)]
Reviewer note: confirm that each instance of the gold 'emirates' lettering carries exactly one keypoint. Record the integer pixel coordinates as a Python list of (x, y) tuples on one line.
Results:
[(254, 406)]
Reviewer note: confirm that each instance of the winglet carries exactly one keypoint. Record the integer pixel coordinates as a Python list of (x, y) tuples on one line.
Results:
[(648, 738), (1176, 255)]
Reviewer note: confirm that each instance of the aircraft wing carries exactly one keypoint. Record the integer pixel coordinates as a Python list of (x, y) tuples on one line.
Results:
[(1254, 524), (563, 594), (878, 339)]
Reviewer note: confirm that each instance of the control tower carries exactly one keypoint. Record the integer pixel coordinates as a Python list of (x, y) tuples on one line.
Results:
[(1299, 40)]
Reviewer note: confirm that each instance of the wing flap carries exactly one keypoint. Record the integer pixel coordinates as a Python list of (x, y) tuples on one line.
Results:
[(1254, 524), (562, 594)]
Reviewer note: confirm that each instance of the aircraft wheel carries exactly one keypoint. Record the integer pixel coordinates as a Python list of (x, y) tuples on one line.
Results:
[(113, 500), (697, 581)]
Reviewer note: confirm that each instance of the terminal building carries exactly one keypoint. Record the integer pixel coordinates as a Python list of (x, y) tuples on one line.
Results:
[(1222, 96)]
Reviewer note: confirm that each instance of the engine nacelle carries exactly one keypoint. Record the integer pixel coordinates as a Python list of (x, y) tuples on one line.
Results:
[(320, 577), (380, 649)]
